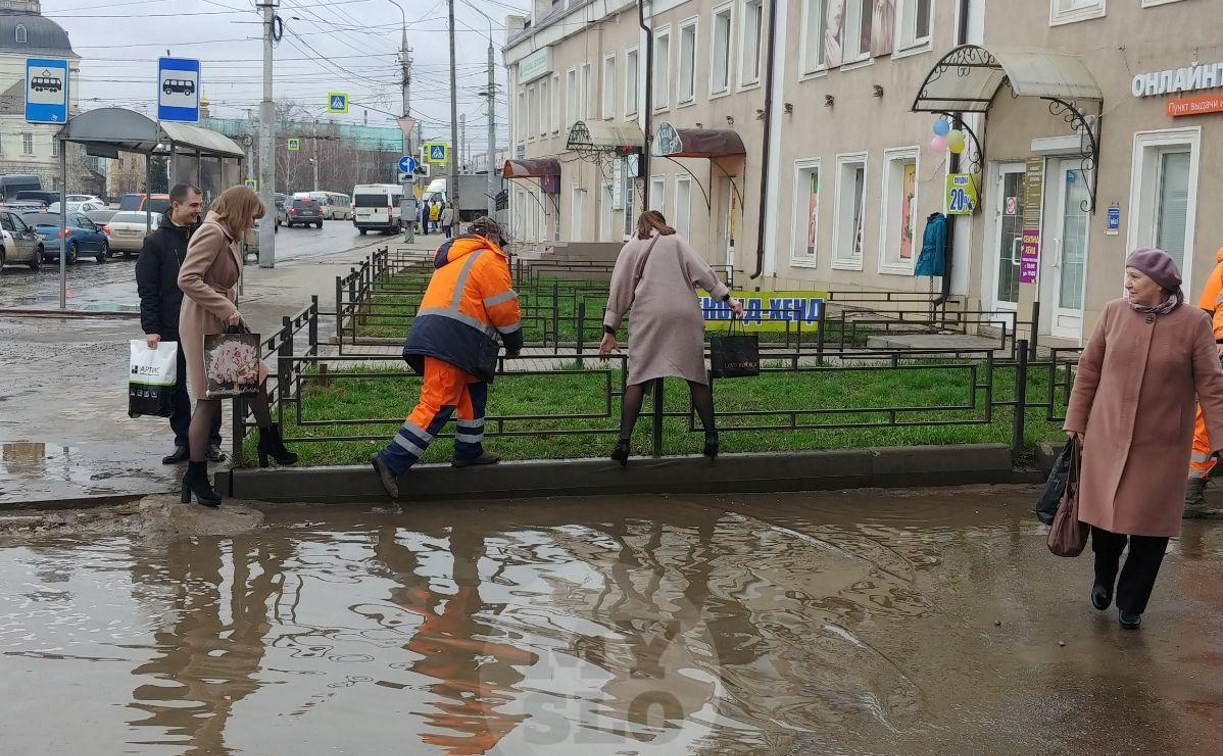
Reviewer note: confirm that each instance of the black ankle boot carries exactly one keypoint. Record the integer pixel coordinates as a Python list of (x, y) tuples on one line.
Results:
[(196, 482), (1101, 596), (272, 445), (620, 453), (711, 445)]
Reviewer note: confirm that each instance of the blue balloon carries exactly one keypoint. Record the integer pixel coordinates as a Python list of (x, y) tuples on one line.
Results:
[(941, 127)]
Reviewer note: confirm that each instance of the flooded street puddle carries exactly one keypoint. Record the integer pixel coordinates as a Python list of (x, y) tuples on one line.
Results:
[(859, 623)]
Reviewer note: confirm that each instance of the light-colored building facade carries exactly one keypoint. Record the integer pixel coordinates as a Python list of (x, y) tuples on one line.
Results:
[(1091, 134)]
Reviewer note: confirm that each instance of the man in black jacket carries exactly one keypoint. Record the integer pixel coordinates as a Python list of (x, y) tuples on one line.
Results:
[(160, 300)]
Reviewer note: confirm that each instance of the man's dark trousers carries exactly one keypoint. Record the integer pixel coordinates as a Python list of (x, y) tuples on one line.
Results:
[(180, 412)]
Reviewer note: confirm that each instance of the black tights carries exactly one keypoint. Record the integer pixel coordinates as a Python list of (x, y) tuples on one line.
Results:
[(207, 409), (630, 405)]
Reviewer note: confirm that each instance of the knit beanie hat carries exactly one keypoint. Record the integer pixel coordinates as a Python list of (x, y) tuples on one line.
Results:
[(1158, 265)]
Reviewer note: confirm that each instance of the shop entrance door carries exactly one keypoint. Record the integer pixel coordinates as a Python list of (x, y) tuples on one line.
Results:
[(1008, 235), (1068, 225)]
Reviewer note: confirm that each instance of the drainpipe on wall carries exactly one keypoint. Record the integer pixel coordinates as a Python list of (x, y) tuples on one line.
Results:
[(767, 147), (961, 37), (648, 106)]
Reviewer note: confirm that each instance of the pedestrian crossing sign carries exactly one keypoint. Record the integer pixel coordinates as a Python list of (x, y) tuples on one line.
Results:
[(437, 152), (251, 184), (294, 144), (337, 102)]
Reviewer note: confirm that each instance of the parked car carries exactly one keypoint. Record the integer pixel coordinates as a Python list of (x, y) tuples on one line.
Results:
[(304, 211), (11, 183), (127, 230), (252, 236), (35, 195), (77, 207), (158, 203), (20, 244), (86, 198), (24, 206), (84, 236), (101, 217)]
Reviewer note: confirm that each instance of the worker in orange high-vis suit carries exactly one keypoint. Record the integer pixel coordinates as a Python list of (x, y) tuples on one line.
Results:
[(469, 303), (1201, 462)]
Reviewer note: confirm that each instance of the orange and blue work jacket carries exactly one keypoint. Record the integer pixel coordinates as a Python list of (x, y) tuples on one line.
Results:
[(470, 301)]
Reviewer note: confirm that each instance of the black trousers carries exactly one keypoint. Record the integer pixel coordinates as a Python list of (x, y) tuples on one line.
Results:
[(1141, 566), (180, 412)]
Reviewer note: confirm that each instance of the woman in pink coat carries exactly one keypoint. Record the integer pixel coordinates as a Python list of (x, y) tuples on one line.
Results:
[(1133, 408)]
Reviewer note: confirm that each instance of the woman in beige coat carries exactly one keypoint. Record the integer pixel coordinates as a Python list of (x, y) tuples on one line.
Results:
[(1133, 408), (656, 275), (209, 273)]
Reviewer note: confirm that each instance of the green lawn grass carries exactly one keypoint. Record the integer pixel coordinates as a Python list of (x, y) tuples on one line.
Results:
[(576, 400)]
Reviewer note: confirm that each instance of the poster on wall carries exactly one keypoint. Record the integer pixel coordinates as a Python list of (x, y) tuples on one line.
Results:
[(834, 32), (813, 211), (908, 211), (1033, 195), (881, 28)]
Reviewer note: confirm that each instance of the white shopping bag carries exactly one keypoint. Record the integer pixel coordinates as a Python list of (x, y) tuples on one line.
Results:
[(150, 382)]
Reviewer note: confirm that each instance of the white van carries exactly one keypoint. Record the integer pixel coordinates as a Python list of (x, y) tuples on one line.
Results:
[(377, 207)]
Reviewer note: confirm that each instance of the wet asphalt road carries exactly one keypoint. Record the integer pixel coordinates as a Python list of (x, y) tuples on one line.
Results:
[(111, 285)]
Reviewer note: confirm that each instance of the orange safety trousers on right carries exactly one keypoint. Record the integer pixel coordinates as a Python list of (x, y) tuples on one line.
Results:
[(1201, 461), (445, 391)]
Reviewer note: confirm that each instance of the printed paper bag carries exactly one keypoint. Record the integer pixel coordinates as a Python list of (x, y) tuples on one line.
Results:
[(736, 354), (231, 365), (151, 378)]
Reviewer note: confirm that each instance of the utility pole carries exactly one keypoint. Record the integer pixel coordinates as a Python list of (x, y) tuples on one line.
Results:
[(452, 188), (267, 141), (314, 162), (492, 128)]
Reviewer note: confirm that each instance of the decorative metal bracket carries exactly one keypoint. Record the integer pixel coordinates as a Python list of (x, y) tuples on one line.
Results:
[(697, 181), (1089, 142), (962, 60)]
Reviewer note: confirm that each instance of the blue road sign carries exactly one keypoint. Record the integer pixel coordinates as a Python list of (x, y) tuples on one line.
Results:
[(437, 153), (407, 164), (337, 102), (178, 89), (46, 90)]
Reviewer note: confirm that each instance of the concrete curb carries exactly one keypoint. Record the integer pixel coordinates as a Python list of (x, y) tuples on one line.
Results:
[(906, 467), (27, 312)]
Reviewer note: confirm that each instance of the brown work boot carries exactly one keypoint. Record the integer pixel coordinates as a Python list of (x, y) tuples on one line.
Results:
[(1195, 498), (485, 458)]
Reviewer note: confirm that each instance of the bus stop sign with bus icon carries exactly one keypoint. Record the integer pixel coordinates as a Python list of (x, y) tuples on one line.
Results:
[(46, 90), (178, 90)]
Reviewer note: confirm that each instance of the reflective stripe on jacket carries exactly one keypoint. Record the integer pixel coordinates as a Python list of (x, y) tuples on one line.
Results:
[(470, 301)]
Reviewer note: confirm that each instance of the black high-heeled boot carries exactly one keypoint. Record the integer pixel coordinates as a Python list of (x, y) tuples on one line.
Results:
[(711, 445), (620, 453), (196, 482), (272, 445)]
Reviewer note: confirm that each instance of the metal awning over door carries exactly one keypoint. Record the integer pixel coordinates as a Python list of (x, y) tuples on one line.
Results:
[(967, 79)]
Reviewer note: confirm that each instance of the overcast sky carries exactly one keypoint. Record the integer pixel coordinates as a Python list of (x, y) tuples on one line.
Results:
[(342, 45)]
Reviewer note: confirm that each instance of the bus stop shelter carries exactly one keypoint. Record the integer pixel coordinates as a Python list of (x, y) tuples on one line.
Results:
[(208, 159)]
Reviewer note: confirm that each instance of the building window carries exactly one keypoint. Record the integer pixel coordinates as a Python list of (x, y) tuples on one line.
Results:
[(1069, 11), (658, 190), (545, 108), (520, 118), (572, 97), (915, 22), (806, 212), (630, 198), (686, 89), (607, 202), (532, 113), (631, 96), (850, 212), (662, 70), (587, 108), (1163, 194), (898, 232), (54, 146), (749, 46), (609, 87), (853, 34), (21, 35), (577, 212), (27, 143), (719, 64), (815, 28), (556, 103), (682, 222)]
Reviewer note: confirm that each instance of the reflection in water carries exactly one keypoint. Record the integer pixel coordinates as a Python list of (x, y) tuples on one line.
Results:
[(662, 628)]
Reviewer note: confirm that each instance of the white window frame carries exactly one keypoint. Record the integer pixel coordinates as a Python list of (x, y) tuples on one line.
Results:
[(577, 212), (658, 193), (573, 95), (1148, 146), (630, 201), (798, 242), (607, 209), (1157, 3), (907, 41), (681, 98), (807, 67), (686, 231), (727, 9), (556, 103), (545, 106), (54, 146), (27, 143), (521, 117), (744, 79), (532, 113), (632, 84), (853, 33), (889, 239), (607, 87), (662, 71), (839, 260), (1057, 16), (587, 84)]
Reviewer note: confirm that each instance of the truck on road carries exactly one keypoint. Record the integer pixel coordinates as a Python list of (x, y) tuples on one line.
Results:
[(473, 194)]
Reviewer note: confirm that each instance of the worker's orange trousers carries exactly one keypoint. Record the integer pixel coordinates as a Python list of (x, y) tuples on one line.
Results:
[(445, 391), (1201, 461)]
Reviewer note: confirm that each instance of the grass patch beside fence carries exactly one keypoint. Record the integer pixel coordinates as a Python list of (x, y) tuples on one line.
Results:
[(577, 400)]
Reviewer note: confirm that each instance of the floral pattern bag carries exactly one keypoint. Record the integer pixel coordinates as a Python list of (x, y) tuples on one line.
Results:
[(231, 364)]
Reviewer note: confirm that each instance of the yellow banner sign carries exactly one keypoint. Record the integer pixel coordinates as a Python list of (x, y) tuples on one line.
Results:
[(961, 194), (767, 310)]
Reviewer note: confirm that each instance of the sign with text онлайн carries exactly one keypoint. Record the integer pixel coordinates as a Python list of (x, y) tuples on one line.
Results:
[(1029, 245), (767, 310)]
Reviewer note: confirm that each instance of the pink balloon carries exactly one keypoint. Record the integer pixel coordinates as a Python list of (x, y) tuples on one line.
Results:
[(938, 144)]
